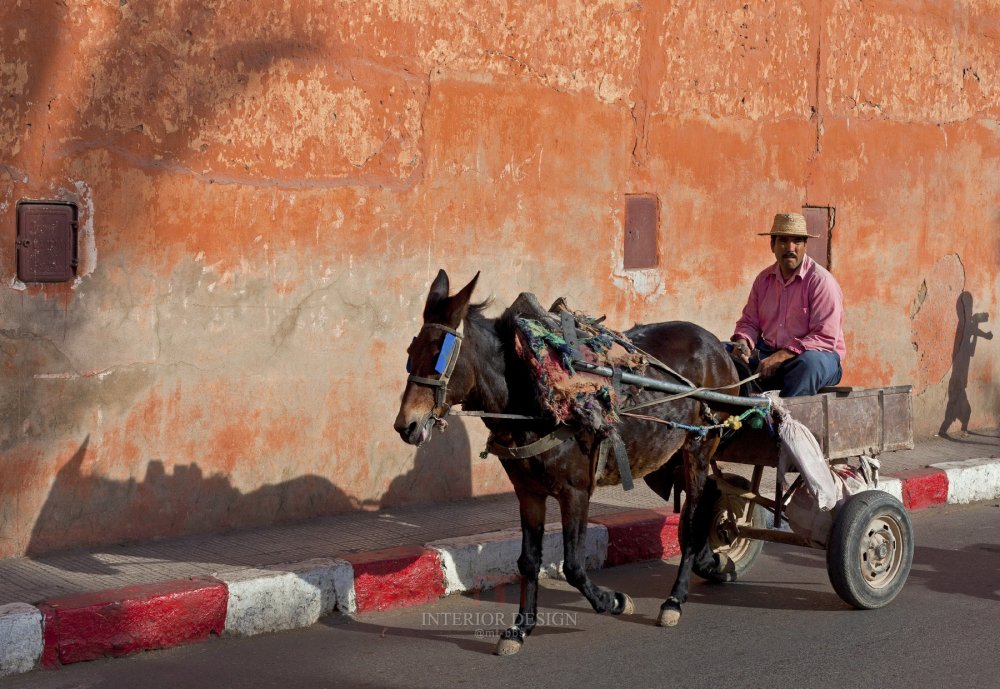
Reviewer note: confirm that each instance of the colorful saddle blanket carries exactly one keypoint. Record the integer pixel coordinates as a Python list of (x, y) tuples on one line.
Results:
[(568, 395)]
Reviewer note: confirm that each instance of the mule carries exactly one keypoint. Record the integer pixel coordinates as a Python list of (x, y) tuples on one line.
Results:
[(462, 357)]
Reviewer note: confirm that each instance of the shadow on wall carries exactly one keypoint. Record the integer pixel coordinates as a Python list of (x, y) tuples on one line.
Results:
[(967, 334), (83, 508), (442, 470)]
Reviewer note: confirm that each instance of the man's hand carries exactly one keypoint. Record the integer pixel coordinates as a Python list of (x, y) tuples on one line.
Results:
[(741, 351), (769, 366)]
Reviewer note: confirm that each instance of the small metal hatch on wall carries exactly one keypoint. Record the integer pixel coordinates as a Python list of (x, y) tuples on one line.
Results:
[(642, 214), (820, 221), (46, 241)]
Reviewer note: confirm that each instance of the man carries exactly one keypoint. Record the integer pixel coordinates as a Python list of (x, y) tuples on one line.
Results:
[(794, 318)]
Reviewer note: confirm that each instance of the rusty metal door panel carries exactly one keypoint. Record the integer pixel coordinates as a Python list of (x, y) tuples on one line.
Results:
[(46, 242), (641, 226), (819, 221)]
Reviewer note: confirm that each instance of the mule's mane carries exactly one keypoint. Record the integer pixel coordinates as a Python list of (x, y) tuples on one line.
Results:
[(476, 310), (500, 374)]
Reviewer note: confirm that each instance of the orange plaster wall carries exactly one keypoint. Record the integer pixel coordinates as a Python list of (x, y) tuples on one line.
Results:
[(266, 191)]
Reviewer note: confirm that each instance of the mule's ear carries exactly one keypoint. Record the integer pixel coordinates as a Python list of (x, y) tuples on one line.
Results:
[(438, 294), (458, 305)]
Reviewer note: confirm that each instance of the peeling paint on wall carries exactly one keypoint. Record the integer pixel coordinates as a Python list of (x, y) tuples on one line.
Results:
[(934, 321)]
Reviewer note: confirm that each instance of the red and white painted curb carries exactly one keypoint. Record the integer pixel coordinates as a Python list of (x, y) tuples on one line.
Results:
[(121, 621)]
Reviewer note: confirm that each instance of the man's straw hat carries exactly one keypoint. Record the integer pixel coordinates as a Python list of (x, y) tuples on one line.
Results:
[(788, 225)]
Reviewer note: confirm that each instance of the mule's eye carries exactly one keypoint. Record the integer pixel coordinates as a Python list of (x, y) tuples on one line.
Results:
[(409, 364)]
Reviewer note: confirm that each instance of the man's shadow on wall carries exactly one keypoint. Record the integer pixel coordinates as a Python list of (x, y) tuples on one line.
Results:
[(967, 334)]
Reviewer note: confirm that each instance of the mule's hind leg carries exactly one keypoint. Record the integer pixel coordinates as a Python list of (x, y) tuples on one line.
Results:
[(532, 508), (694, 527), (574, 505)]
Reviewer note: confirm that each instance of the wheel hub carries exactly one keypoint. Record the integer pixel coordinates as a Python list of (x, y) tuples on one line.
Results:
[(879, 552)]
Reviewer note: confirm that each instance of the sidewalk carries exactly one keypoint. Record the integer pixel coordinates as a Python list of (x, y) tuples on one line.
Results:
[(364, 561)]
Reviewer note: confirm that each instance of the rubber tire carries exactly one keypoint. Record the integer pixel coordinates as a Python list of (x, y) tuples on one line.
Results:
[(749, 549), (844, 560)]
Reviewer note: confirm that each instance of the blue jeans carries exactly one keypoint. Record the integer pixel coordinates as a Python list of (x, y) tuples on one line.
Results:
[(803, 375)]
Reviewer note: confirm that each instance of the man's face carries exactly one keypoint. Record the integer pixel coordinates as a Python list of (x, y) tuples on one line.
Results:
[(789, 251)]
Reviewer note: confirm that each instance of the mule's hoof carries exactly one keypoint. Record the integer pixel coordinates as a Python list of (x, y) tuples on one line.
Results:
[(508, 647), (628, 607), (669, 617)]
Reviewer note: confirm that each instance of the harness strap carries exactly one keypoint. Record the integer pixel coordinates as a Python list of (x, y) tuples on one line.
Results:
[(493, 415), (568, 324), (558, 437), (621, 457)]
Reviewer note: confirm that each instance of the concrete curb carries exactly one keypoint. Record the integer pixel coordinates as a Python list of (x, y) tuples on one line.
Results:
[(20, 638), (396, 578), (254, 601), (482, 562), (134, 618), (287, 597)]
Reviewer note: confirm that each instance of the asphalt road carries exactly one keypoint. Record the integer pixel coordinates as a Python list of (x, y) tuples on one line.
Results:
[(783, 627)]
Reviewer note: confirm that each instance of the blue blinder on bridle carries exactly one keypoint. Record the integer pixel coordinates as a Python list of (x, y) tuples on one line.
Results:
[(441, 365), (444, 365)]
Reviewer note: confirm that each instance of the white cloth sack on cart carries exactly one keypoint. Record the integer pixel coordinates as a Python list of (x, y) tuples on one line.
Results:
[(803, 512), (799, 450)]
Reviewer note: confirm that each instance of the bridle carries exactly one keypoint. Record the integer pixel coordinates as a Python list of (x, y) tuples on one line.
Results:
[(444, 366)]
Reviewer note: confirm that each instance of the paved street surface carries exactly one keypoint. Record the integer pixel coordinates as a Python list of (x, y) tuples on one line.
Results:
[(783, 627)]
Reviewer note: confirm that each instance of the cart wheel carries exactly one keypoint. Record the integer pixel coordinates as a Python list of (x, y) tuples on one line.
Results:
[(870, 549), (737, 554)]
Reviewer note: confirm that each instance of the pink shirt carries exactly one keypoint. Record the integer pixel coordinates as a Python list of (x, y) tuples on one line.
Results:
[(807, 312)]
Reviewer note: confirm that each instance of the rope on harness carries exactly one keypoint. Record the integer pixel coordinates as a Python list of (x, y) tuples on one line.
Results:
[(733, 422)]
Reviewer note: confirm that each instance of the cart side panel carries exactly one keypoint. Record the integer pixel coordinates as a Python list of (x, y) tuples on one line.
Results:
[(846, 423), (812, 412), (855, 425), (853, 421), (897, 419)]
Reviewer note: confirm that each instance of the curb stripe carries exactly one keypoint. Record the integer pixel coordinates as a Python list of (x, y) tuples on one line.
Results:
[(117, 622), (20, 638), (971, 480), (286, 596), (396, 578), (641, 535), (924, 488)]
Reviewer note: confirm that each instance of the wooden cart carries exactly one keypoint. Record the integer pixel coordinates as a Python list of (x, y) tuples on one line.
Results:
[(869, 542), (869, 545)]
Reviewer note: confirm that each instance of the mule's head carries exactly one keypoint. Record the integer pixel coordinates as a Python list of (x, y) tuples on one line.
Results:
[(437, 377)]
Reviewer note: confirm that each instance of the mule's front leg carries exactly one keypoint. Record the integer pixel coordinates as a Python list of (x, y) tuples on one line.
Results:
[(532, 509), (574, 505)]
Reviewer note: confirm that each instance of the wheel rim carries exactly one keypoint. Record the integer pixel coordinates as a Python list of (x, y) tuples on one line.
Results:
[(881, 551), (722, 538)]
